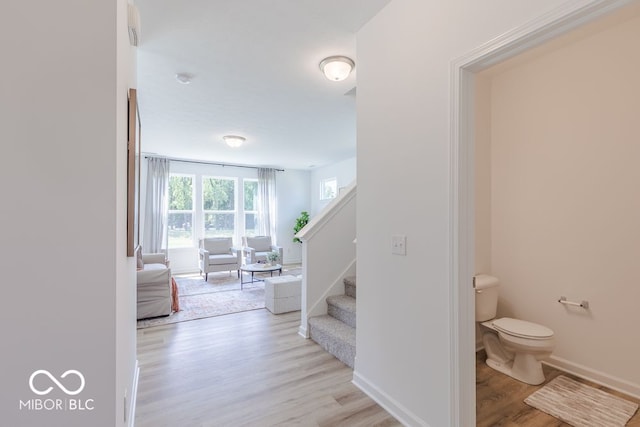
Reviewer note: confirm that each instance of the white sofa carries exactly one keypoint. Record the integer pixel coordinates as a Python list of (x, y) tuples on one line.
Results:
[(256, 249), (153, 283), (218, 254)]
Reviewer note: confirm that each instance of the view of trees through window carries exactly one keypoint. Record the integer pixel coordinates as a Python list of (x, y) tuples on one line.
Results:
[(250, 207), (180, 219), (218, 200), (219, 214)]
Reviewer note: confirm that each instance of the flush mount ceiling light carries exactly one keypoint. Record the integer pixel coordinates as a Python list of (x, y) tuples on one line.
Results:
[(337, 68), (184, 78), (234, 141)]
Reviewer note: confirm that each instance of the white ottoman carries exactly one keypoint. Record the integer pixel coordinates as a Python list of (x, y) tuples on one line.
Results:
[(282, 294)]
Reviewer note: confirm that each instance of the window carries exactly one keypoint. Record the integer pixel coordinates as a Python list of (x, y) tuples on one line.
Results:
[(250, 207), (210, 205), (328, 188), (219, 206), (180, 221)]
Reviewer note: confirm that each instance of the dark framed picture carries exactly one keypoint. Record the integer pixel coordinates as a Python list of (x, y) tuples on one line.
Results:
[(133, 174)]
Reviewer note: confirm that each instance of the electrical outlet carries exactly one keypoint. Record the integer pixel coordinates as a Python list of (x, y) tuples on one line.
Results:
[(399, 244)]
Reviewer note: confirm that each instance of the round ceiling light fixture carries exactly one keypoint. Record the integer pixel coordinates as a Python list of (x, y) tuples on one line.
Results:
[(337, 68), (234, 141)]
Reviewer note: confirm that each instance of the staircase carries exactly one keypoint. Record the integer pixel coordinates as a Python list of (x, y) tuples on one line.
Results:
[(336, 330)]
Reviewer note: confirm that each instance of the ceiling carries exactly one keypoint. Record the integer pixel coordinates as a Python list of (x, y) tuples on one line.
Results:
[(255, 73)]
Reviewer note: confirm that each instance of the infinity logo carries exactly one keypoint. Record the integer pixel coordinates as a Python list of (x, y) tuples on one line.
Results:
[(52, 378)]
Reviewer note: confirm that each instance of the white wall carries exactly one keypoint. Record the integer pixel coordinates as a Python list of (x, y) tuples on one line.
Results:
[(565, 200), (125, 310), (483, 176), (403, 108), (69, 288), (293, 197), (482, 182), (344, 171)]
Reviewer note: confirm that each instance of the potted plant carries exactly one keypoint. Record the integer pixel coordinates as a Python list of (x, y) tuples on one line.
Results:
[(302, 220), (273, 257)]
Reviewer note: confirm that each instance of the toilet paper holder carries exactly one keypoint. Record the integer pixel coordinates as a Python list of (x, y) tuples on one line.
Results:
[(583, 304)]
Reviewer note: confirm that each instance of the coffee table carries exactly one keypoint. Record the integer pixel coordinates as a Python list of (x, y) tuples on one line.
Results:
[(258, 268)]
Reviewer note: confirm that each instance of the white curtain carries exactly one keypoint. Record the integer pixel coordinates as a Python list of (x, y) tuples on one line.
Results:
[(267, 203), (157, 205)]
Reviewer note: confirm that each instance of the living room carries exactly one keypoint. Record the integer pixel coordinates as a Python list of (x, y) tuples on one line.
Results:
[(184, 289), (297, 191)]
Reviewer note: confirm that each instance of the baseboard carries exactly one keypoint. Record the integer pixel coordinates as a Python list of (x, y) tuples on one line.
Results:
[(186, 271), (303, 331), (131, 416), (597, 377), (592, 375), (401, 413)]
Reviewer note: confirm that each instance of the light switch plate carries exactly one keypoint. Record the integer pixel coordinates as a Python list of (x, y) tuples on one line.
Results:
[(399, 244)]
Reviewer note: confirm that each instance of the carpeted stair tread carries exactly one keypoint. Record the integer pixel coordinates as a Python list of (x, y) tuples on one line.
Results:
[(344, 302), (334, 336), (337, 328), (350, 280), (350, 286), (343, 308)]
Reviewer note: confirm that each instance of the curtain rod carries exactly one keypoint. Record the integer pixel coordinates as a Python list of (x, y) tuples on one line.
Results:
[(202, 162)]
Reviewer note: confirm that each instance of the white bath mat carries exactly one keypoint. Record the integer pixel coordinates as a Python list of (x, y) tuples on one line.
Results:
[(581, 405)]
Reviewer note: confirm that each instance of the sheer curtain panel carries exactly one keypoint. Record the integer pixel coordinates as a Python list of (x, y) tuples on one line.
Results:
[(267, 203), (157, 205)]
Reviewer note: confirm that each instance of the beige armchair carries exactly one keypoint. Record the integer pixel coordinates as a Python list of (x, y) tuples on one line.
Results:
[(153, 283), (218, 254), (256, 249)]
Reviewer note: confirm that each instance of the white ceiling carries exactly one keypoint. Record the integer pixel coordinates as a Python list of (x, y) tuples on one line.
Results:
[(255, 73)]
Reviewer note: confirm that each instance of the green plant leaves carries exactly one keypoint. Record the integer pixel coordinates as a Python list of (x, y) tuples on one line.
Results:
[(302, 220)]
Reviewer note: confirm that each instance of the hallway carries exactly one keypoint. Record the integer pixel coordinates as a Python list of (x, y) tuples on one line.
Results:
[(246, 369)]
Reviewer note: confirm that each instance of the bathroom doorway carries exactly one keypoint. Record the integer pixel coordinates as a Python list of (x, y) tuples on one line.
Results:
[(507, 54)]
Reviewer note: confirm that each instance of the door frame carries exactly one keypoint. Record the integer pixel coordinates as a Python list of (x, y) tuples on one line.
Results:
[(565, 18)]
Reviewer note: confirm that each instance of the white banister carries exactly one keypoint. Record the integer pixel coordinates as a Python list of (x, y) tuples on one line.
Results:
[(316, 223), (328, 254)]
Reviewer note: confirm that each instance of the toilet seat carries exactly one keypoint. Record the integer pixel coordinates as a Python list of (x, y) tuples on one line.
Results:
[(522, 328)]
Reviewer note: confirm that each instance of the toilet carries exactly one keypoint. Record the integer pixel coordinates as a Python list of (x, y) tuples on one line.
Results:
[(514, 347)]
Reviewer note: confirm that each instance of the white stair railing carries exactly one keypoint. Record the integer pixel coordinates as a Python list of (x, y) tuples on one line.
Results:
[(328, 254)]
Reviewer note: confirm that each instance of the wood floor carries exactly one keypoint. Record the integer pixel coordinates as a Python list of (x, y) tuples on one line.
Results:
[(246, 369), (500, 399), (253, 369)]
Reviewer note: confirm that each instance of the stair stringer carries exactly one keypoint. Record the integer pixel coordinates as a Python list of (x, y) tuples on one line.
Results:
[(319, 307)]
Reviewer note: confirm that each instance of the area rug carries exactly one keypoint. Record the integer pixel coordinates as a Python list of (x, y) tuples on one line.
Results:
[(217, 296), (581, 405)]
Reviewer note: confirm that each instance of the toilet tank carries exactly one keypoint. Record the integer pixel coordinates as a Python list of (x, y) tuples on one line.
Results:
[(486, 290)]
